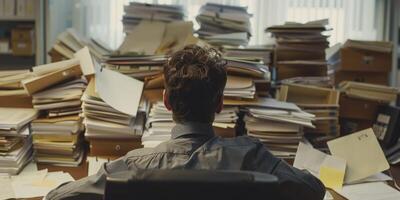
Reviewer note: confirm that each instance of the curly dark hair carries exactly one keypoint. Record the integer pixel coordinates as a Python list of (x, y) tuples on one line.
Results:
[(195, 79)]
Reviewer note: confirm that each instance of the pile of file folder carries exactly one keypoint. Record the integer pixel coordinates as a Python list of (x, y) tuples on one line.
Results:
[(263, 53), (12, 93), (279, 125), (300, 49), (110, 129), (160, 123), (224, 25), (56, 90), (15, 138), (136, 12), (321, 102), (138, 67)]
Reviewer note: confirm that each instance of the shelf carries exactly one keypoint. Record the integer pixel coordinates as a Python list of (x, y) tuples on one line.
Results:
[(9, 61), (17, 18)]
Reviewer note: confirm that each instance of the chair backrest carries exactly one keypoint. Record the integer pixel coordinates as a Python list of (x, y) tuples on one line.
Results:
[(191, 185)]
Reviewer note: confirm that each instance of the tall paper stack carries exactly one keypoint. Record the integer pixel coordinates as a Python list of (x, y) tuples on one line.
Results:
[(136, 12), (224, 25), (114, 115), (300, 49), (56, 90), (15, 138), (323, 103), (279, 125), (160, 123)]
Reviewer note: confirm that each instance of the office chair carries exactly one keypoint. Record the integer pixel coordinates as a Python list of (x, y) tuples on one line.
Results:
[(190, 185)]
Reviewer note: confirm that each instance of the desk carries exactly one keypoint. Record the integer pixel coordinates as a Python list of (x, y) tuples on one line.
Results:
[(82, 171)]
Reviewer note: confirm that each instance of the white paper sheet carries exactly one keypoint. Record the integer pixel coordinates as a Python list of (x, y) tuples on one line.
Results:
[(121, 92), (369, 191), (85, 60), (95, 164)]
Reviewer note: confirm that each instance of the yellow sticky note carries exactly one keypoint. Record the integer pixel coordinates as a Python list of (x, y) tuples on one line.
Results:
[(331, 177)]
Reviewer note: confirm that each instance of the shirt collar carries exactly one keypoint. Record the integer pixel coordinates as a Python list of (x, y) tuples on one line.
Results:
[(192, 128)]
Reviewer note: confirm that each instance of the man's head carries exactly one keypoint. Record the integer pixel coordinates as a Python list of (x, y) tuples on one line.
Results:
[(195, 79)]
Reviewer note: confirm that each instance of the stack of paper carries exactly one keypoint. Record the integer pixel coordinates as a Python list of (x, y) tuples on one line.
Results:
[(136, 12), (70, 41), (239, 87), (56, 90), (114, 113), (160, 123), (263, 53), (278, 125), (15, 138), (224, 25), (300, 49), (322, 102), (368, 91), (138, 67), (58, 140)]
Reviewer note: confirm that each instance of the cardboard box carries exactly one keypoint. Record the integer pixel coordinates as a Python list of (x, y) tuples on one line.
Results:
[(22, 48), (285, 71), (359, 109), (23, 41), (380, 78), (309, 95), (365, 60), (22, 34)]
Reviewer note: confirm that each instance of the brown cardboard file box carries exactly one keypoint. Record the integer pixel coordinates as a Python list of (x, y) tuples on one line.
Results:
[(285, 71), (365, 60), (23, 41), (309, 96), (359, 109), (380, 78)]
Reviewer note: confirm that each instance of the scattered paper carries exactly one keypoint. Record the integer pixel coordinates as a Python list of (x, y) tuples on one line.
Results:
[(121, 92), (332, 172), (37, 184), (7, 191), (85, 60), (362, 152), (369, 191), (95, 163), (379, 177), (328, 196)]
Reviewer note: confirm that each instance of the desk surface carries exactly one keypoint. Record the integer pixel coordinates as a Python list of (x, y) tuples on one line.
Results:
[(82, 171)]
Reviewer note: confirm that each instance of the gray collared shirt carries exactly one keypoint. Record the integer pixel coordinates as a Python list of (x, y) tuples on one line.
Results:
[(194, 146)]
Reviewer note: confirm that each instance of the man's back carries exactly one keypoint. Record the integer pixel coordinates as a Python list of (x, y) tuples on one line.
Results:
[(194, 146)]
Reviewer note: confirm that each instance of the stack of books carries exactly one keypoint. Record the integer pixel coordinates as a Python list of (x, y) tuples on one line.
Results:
[(138, 67), (114, 120), (300, 49), (56, 90), (278, 125), (136, 12), (160, 123), (224, 25), (15, 138), (323, 103)]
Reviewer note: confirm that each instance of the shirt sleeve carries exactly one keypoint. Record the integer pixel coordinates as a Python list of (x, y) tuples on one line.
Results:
[(91, 187), (293, 183)]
